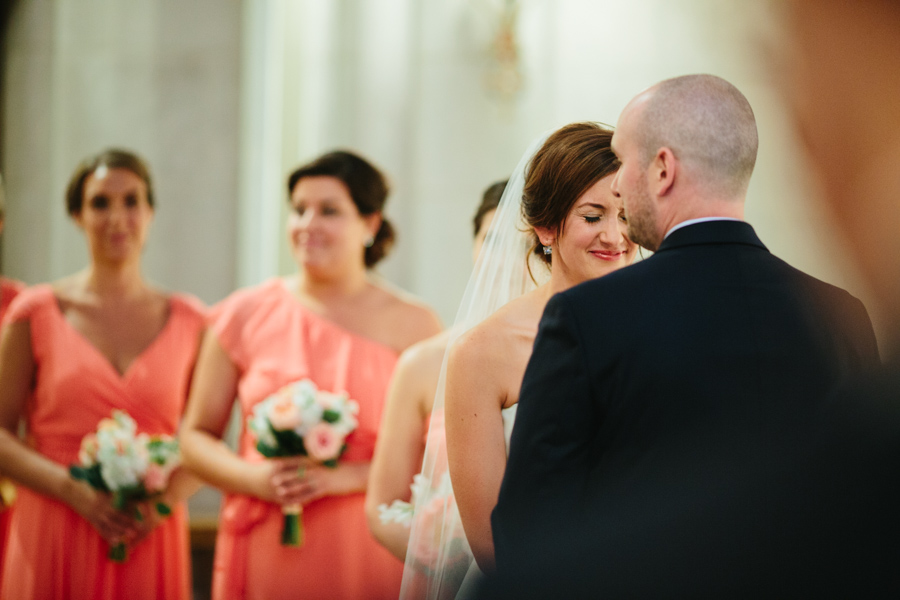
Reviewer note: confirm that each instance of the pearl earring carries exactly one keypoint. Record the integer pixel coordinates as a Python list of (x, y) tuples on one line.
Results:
[(370, 241)]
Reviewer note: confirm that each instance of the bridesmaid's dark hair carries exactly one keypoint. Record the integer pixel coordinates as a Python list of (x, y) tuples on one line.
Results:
[(368, 189), (113, 158), (572, 159), (489, 201)]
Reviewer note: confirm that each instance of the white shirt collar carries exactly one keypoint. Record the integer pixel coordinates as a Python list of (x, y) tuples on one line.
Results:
[(700, 220)]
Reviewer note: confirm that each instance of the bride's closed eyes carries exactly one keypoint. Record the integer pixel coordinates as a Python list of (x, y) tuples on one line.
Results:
[(595, 216)]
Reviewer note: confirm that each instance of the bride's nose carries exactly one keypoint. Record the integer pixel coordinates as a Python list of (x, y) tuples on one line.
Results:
[(612, 233)]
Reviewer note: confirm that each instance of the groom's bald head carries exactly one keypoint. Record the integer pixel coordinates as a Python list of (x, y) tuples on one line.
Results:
[(706, 122)]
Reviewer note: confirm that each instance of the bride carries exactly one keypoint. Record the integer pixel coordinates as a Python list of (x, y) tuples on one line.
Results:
[(557, 210)]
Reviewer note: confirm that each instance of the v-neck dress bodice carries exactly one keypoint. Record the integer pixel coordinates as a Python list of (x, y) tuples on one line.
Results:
[(53, 552), (274, 340)]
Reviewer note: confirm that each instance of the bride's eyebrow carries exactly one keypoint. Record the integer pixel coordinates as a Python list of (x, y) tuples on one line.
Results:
[(593, 205)]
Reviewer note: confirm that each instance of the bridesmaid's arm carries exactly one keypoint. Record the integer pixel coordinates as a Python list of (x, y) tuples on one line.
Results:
[(28, 467), (203, 452), (212, 395), (398, 451), (476, 447), (183, 483)]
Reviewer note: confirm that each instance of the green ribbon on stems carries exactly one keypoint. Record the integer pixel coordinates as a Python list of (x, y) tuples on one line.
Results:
[(292, 530)]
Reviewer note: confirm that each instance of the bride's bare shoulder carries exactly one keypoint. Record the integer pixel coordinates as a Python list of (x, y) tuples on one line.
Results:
[(498, 338)]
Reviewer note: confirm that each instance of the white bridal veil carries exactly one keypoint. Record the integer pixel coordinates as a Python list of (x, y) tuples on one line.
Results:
[(438, 556)]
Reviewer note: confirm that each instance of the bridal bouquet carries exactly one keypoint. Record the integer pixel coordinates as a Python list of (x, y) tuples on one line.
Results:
[(432, 512), (302, 420), (131, 466)]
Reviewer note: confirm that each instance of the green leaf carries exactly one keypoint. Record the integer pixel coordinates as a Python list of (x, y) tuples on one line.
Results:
[(289, 443), (267, 451), (89, 474), (118, 500), (79, 473), (163, 509), (331, 416)]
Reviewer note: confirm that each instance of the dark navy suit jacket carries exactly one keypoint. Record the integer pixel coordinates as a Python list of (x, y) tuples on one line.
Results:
[(660, 390)]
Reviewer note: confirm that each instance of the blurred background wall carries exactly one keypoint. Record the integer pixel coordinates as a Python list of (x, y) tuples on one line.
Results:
[(225, 97)]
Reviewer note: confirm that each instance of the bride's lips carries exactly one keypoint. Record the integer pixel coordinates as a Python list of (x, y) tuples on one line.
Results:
[(608, 255)]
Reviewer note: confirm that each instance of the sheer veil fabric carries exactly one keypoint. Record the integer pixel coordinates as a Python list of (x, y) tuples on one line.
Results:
[(438, 556)]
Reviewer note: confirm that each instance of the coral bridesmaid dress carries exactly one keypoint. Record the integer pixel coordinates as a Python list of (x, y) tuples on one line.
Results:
[(53, 553), (9, 289), (274, 341)]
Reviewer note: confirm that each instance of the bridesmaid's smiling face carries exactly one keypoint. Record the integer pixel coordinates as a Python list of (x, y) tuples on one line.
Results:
[(325, 230), (115, 215)]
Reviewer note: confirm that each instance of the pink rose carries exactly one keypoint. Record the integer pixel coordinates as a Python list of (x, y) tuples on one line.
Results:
[(323, 442), (283, 414), (427, 547), (156, 478), (431, 524)]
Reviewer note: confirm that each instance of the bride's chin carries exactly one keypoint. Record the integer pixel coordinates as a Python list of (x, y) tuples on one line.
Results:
[(607, 268)]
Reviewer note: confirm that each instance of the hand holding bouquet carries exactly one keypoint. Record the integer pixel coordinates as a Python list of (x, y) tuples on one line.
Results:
[(302, 420), (133, 467)]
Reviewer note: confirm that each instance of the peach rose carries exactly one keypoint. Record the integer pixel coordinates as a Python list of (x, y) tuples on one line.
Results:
[(107, 424), (89, 448), (283, 414)]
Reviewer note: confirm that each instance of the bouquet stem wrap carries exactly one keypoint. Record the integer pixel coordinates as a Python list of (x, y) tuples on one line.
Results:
[(118, 553), (292, 531)]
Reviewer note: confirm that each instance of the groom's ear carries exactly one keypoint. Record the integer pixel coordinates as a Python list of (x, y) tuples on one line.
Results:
[(662, 171)]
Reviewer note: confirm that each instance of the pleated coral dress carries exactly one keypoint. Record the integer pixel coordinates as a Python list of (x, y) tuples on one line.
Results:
[(275, 341), (53, 553)]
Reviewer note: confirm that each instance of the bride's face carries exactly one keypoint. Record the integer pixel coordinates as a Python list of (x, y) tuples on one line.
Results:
[(593, 240)]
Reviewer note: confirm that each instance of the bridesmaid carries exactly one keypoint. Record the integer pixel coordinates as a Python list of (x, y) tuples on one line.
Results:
[(338, 325), (398, 454), (9, 289), (72, 352)]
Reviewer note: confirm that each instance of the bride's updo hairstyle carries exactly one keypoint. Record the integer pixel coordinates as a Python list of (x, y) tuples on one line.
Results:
[(368, 189), (572, 159)]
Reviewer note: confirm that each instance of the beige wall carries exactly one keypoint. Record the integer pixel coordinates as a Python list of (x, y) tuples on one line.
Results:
[(161, 78), (405, 83)]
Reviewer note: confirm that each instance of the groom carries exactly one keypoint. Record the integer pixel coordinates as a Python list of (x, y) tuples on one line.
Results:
[(655, 393)]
